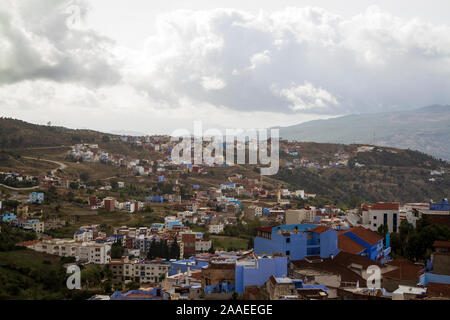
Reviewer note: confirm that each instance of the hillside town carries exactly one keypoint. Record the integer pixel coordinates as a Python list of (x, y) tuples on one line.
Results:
[(304, 253)]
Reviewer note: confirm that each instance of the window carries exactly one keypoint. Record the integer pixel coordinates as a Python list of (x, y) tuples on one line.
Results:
[(374, 224), (374, 217), (288, 240), (288, 252)]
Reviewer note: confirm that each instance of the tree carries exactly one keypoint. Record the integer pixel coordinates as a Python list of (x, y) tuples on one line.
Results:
[(397, 244), (84, 176), (74, 185), (383, 230), (405, 229), (174, 250), (132, 285), (117, 250)]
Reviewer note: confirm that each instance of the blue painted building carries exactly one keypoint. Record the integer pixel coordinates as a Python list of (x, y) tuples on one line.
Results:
[(297, 241), (8, 216), (181, 266), (257, 270), (440, 206), (158, 199), (370, 242)]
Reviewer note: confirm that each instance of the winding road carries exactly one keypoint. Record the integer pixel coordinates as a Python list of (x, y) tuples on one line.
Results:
[(60, 165)]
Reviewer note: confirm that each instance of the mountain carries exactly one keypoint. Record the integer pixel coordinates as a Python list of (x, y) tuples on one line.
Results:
[(426, 129)]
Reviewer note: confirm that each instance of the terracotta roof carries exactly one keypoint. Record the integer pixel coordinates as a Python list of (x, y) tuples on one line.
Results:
[(340, 265), (441, 244), (29, 243), (196, 275), (438, 289), (320, 229), (265, 229), (367, 235), (348, 245), (406, 270), (385, 206)]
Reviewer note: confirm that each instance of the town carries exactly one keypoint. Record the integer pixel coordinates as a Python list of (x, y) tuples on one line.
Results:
[(159, 231)]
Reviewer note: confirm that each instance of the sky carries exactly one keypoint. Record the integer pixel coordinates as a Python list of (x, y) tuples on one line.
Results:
[(156, 66)]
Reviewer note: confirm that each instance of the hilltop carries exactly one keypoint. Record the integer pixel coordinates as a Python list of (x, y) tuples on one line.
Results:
[(426, 129)]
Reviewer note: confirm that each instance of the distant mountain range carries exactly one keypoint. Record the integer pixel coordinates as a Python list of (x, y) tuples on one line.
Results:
[(426, 129)]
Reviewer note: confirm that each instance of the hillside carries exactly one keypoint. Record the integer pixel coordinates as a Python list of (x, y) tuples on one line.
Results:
[(426, 129), (19, 135), (383, 174)]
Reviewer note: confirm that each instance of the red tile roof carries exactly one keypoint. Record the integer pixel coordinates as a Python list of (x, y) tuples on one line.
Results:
[(28, 243), (339, 265), (441, 244), (265, 229), (348, 245), (438, 290), (406, 270), (320, 229), (367, 235), (385, 206)]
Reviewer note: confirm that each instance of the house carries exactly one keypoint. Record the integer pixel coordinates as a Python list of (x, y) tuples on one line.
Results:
[(92, 252), (297, 241), (405, 274), (109, 204), (215, 228), (365, 242), (382, 213), (280, 287), (139, 271), (255, 270), (438, 267), (440, 206), (407, 292), (344, 270), (36, 197), (300, 216), (219, 276)]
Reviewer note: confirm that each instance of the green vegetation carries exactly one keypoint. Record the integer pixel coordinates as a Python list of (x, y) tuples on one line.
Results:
[(26, 274), (417, 244), (161, 249), (229, 243), (9, 238), (402, 176)]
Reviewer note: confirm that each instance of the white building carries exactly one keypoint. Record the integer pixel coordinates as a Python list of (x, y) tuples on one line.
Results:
[(382, 213), (215, 228), (202, 245), (300, 216), (91, 252)]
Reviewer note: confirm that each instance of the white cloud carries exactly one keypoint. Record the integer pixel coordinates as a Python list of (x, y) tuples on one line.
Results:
[(212, 83), (269, 68), (307, 97)]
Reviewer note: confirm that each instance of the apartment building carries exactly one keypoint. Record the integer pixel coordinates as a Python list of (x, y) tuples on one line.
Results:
[(139, 271), (91, 252), (382, 213)]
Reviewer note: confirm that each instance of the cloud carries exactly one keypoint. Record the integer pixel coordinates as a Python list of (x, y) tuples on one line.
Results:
[(232, 66), (38, 42), (308, 97)]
